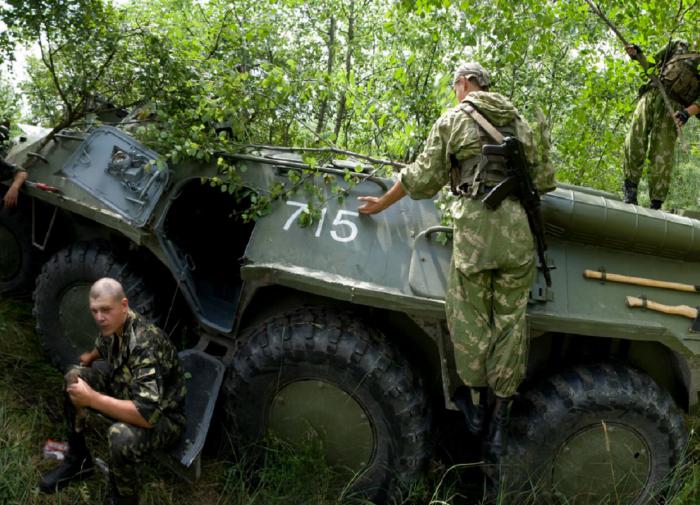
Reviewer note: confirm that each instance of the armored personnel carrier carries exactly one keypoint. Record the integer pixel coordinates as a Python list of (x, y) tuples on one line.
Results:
[(337, 329)]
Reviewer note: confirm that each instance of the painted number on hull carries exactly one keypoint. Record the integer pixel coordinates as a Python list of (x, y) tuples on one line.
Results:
[(343, 230)]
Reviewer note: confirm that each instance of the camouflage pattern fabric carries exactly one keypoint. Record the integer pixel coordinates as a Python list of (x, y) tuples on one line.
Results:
[(7, 171), (652, 135), (486, 302), (493, 252), (143, 366)]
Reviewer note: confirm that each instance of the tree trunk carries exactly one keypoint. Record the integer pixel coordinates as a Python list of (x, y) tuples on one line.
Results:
[(329, 69), (340, 116)]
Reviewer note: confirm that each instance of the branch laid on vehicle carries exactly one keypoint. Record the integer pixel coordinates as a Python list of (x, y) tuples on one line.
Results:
[(295, 165)]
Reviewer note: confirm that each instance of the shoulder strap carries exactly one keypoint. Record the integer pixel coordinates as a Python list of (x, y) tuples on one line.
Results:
[(469, 109), (681, 57)]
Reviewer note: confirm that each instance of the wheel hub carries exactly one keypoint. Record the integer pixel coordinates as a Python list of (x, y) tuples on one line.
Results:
[(76, 321), (314, 408), (602, 461)]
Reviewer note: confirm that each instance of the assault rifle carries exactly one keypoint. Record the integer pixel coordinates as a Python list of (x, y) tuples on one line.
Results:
[(518, 183)]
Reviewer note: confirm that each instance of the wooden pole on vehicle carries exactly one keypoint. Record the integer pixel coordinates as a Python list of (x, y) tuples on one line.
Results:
[(640, 281)]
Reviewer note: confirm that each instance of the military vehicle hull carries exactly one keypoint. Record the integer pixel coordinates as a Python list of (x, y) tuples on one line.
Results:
[(338, 327)]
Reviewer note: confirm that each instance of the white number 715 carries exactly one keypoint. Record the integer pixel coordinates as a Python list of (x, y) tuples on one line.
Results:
[(340, 220)]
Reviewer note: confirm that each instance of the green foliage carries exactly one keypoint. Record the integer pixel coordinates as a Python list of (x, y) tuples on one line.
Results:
[(366, 75)]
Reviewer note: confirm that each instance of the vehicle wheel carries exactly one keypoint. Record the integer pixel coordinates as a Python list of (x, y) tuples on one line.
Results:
[(61, 306), (320, 373), (19, 259), (595, 434)]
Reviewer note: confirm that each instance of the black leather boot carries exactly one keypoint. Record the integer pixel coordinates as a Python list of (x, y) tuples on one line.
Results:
[(498, 430), (629, 189), (76, 466), (474, 415), (656, 204), (114, 498)]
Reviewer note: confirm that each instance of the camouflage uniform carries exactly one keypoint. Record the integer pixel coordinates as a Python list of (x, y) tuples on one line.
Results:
[(143, 366), (493, 261), (652, 134), (8, 171)]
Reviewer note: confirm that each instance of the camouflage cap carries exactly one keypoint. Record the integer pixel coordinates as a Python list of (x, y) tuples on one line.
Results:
[(473, 69)]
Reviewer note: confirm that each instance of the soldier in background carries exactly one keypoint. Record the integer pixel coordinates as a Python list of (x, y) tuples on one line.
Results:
[(143, 392), (8, 171), (493, 261), (652, 134)]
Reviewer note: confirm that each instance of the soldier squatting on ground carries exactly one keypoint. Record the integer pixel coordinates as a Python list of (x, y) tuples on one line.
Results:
[(653, 132), (142, 392), (493, 264)]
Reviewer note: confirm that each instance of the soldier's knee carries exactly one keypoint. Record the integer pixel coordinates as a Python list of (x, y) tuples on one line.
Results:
[(121, 439), (72, 375)]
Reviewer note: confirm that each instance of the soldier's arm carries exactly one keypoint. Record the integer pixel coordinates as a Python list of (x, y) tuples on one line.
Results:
[(87, 358), (681, 116), (13, 192), (421, 179), (82, 395), (374, 205)]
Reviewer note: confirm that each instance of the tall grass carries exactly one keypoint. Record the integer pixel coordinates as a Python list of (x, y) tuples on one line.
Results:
[(31, 411)]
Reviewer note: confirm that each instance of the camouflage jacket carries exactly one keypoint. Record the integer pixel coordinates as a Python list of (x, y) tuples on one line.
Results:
[(7, 171), (145, 368), (456, 132), (679, 71)]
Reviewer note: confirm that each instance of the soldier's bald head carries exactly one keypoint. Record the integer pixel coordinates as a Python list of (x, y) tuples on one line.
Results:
[(108, 287)]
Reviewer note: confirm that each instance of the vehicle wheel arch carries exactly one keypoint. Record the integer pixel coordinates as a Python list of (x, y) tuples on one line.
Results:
[(667, 367), (413, 342)]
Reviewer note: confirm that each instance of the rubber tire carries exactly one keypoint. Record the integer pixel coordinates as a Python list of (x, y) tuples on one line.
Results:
[(555, 409), (81, 264), (19, 225), (338, 349)]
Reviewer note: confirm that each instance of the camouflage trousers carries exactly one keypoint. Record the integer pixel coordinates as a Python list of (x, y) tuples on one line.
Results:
[(128, 445), (491, 272), (652, 135)]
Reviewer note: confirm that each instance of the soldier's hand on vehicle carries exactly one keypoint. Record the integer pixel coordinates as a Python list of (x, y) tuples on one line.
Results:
[(80, 393), (681, 117), (375, 204), (10, 199), (372, 205)]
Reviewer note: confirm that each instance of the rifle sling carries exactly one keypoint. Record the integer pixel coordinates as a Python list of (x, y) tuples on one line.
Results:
[(483, 122)]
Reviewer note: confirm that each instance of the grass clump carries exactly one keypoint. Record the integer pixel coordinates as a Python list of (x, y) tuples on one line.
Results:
[(31, 410)]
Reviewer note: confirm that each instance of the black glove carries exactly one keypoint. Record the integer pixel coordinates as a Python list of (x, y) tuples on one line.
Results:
[(682, 116), (638, 51)]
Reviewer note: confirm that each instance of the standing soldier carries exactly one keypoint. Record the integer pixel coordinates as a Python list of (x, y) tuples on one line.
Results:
[(143, 392), (493, 261), (652, 134)]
